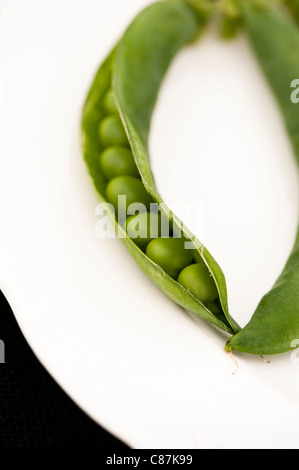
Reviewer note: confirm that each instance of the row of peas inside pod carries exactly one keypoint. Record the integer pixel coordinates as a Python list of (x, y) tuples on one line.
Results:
[(151, 230)]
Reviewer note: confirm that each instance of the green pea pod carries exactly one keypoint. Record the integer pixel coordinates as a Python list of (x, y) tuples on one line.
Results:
[(274, 327), (134, 71)]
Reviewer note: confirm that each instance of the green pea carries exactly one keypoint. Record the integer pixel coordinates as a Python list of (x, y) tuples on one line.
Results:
[(133, 190), (118, 161), (170, 254), (112, 132), (146, 226), (109, 103), (197, 279)]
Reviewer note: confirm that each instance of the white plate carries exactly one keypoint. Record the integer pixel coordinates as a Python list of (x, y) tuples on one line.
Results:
[(135, 362)]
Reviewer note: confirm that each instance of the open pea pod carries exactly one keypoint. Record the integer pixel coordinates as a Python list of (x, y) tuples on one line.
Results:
[(134, 72), (274, 327)]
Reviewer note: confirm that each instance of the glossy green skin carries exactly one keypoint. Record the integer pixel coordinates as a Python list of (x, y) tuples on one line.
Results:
[(197, 279), (112, 133), (118, 161), (144, 227), (170, 254), (130, 187), (158, 33), (109, 103), (274, 327)]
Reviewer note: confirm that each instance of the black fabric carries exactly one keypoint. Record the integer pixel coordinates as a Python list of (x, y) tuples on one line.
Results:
[(34, 410)]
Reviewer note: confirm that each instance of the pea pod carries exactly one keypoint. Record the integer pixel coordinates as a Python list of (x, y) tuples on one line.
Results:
[(274, 327), (132, 74)]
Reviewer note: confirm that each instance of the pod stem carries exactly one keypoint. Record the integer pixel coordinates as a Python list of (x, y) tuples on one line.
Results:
[(227, 11)]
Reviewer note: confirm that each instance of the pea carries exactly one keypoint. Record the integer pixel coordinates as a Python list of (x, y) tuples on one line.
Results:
[(170, 254), (109, 103), (130, 187), (118, 161), (146, 226), (197, 279), (112, 132)]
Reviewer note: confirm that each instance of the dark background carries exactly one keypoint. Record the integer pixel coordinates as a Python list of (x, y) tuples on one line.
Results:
[(34, 410)]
